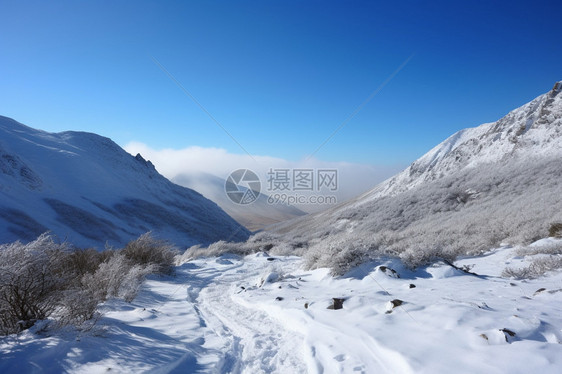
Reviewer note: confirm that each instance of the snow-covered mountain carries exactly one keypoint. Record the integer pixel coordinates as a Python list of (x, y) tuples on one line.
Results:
[(495, 183), (89, 191), (533, 130), (253, 216), (264, 312)]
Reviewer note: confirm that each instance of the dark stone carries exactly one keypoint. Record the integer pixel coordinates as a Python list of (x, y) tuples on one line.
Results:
[(555, 230), (388, 271), (394, 303), (507, 333), (412, 285), (279, 298), (337, 303)]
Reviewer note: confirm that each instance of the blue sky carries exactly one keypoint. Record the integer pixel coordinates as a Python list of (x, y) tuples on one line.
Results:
[(280, 76)]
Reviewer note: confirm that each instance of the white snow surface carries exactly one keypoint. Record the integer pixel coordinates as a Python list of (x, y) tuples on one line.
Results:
[(86, 189), (261, 314)]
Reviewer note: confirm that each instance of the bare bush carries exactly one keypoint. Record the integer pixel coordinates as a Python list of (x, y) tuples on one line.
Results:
[(340, 254), (221, 247), (538, 267), (78, 305), (553, 248), (190, 253), (44, 279), (260, 242), (29, 291), (149, 251), (83, 261)]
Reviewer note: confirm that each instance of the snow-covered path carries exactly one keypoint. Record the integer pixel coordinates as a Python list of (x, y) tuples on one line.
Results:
[(250, 340), (261, 314)]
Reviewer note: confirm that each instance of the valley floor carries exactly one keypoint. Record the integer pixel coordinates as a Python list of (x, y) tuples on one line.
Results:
[(265, 314)]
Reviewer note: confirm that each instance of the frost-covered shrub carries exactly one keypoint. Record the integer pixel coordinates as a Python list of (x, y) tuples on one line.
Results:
[(288, 249), (260, 242), (543, 258), (78, 305), (417, 255), (188, 254), (82, 261), (537, 268), (222, 247), (466, 212), (554, 248), (340, 254), (44, 279), (148, 251), (29, 289), (116, 277)]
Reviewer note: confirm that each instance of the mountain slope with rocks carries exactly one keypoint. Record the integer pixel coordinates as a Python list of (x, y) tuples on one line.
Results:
[(500, 182)]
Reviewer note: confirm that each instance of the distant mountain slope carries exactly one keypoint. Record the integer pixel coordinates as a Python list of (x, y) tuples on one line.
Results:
[(254, 216), (499, 182), (89, 191), (532, 130)]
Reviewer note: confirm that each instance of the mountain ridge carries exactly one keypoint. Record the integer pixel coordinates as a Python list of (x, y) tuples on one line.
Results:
[(511, 133), (88, 190)]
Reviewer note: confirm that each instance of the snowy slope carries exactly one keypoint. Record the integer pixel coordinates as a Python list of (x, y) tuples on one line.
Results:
[(535, 129), (253, 216), (89, 191), (261, 314), (496, 183)]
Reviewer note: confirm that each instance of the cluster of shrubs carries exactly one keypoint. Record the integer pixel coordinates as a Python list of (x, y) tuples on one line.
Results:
[(465, 213), (45, 279), (542, 259), (263, 241)]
